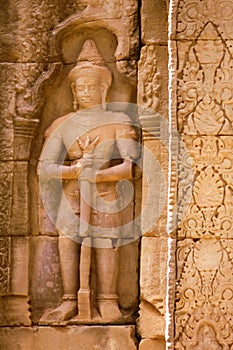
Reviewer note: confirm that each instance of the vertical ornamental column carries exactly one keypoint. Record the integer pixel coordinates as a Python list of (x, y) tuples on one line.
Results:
[(202, 81), (22, 61), (152, 106)]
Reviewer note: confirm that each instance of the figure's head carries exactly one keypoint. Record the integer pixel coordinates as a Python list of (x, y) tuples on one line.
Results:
[(90, 78)]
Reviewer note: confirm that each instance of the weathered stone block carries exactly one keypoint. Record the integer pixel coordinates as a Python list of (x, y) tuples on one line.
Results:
[(14, 198), (152, 344), (25, 38), (46, 289), (6, 183), (20, 199), (151, 323), (153, 271), (14, 265), (14, 311), (154, 190), (154, 21), (57, 338), (14, 261), (20, 266), (153, 287), (128, 276)]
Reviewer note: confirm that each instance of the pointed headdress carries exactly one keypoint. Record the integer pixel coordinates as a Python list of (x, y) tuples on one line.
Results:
[(90, 62)]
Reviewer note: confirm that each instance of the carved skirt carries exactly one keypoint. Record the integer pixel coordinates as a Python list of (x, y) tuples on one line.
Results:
[(105, 213)]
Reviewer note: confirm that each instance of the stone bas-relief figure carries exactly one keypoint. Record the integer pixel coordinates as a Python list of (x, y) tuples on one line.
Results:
[(89, 208), (206, 338)]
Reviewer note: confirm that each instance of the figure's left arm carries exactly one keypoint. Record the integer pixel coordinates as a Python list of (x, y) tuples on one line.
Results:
[(129, 149)]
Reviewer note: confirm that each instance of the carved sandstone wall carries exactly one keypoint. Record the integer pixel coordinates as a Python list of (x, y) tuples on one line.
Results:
[(153, 116), (175, 281), (40, 42)]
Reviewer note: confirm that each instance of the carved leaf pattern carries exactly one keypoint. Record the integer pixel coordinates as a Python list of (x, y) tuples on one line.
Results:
[(205, 84), (204, 307), (194, 14), (149, 85), (6, 176), (209, 212), (4, 265), (204, 291)]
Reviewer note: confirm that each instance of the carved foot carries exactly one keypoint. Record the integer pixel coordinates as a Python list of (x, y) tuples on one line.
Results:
[(63, 312), (109, 310), (85, 319)]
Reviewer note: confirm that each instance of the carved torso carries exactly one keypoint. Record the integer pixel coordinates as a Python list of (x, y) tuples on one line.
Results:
[(110, 127), (116, 140)]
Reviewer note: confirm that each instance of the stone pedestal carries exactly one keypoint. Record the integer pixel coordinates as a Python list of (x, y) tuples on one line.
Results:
[(72, 338)]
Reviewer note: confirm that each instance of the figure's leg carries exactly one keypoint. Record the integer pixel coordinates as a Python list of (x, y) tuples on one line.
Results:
[(84, 293), (107, 266), (68, 253)]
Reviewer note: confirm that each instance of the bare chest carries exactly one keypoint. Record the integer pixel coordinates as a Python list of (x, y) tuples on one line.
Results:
[(103, 136)]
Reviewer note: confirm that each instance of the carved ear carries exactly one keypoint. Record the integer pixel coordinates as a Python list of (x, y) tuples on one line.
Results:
[(75, 102), (104, 88)]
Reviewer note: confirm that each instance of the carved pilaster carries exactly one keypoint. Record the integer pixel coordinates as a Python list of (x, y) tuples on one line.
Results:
[(201, 38), (24, 130), (151, 323), (153, 287), (150, 126), (14, 263), (5, 256), (6, 183), (155, 143)]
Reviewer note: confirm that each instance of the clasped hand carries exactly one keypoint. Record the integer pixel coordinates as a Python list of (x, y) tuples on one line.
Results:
[(87, 173)]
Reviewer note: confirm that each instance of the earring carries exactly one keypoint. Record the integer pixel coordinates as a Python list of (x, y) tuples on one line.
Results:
[(104, 98), (75, 102), (75, 105)]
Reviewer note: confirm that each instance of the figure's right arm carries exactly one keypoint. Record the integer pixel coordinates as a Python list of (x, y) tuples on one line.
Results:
[(52, 158)]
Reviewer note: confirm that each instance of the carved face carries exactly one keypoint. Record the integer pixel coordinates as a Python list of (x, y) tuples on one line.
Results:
[(88, 91)]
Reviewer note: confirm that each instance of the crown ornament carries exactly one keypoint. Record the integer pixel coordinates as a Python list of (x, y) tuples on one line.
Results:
[(90, 62)]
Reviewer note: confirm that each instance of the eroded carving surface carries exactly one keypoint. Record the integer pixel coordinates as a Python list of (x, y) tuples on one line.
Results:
[(30, 72), (203, 306), (4, 265), (204, 294), (208, 211), (24, 37), (6, 175), (149, 84), (120, 18), (90, 211), (205, 99), (194, 14)]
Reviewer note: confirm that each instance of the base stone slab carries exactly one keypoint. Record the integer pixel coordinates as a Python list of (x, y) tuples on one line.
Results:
[(69, 338), (152, 344)]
